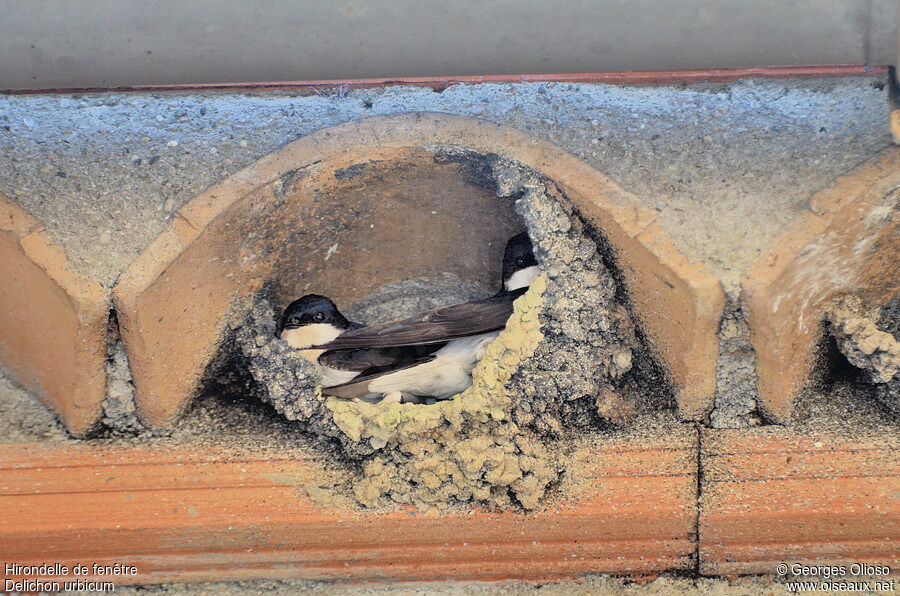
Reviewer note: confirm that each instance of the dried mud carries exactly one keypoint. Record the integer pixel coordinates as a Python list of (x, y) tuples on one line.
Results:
[(566, 360), (870, 341)]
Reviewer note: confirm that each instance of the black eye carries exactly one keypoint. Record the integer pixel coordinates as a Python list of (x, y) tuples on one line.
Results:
[(520, 261), (319, 316)]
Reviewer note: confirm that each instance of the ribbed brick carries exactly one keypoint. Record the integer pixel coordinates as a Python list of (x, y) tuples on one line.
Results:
[(52, 322)]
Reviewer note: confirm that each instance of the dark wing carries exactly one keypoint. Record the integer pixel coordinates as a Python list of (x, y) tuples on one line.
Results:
[(359, 386), (433, 326), (362, 360)]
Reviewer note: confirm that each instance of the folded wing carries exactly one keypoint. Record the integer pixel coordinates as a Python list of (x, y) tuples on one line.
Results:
[(368, 359), (433, 326)]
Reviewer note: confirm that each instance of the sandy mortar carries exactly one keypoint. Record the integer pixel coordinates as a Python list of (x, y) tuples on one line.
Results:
[(736, 397)]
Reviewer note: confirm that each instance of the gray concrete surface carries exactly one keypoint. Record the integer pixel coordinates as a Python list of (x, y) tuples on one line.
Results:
[(46, 43), (727, 166)]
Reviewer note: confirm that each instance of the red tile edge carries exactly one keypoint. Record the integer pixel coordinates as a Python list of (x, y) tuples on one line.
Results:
[(633, 77)]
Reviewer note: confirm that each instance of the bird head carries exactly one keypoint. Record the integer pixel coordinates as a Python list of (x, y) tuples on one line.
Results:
[(520, 266), (310, 320)]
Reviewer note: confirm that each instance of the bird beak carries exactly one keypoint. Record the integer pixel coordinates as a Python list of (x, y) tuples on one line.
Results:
[(283, 325)]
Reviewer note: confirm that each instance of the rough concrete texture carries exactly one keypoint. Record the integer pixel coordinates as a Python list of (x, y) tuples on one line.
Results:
[(565, 356), (736, 392), (23, 418), (870, 340), (728, 165), (847, 242), (119, 412)]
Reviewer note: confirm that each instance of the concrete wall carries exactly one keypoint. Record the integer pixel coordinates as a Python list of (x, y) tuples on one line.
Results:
[(46, 43)]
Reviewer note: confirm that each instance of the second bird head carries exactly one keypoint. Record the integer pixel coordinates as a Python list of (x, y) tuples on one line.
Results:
[(520, 266)]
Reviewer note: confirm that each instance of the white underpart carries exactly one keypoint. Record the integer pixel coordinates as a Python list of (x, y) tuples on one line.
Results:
[(314, 335), (522, 278), (310, 335), (448, 374), (335, 376)]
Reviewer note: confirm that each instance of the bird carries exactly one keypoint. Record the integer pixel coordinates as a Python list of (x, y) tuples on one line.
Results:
[(520, 266), (429, 355)]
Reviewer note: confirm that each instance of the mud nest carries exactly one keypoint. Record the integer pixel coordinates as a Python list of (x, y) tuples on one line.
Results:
[(569, 358), (870, 340)]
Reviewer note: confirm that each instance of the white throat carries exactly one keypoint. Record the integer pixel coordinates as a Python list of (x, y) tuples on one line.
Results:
[(310, 335), (522, 278)]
